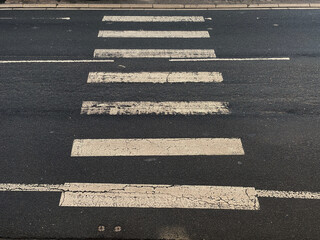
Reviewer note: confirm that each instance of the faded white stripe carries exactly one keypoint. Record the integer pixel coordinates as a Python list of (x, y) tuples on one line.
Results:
[(288, 194), (56, 61), (57, 18), (155, 77), (16, 187), (229, 59), (156, 147), (161, 196), (153, 19), (154, 34), (158, 196), (154, 53), (157, 108)]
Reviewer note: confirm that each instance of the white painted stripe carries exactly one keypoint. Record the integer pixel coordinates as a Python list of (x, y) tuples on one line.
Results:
[(229, 59), (154, 53), (155, 77), (153, 34), (288, 194), (17, 187), (156, 147), (57, 18), (153, 19), (157, 108), (158, 196), (56, 61), (162, 196)]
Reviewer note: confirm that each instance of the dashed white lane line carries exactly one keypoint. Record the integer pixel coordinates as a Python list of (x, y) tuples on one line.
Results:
[(158, 196), (153, 19), (157, 147), (154, 53), (154, 108), (56, 61), (153, 34), (155, 77), (229, 59)]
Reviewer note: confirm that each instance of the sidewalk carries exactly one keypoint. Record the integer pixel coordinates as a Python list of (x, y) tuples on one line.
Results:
[(177, 4), (161, 1)]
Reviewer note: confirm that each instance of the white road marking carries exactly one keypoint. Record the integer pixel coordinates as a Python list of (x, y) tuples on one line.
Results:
[(158, 196), (161, 196), (57, 18), (229, 59), (56, 61), (156, 147), (153, 19), (153, 34), (157, 108), (6, 18), (155, 77), (154, 53), (17, 187), (288, 194)]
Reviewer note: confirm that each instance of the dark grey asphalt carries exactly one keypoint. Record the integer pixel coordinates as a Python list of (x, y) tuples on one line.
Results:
[(275, 111)]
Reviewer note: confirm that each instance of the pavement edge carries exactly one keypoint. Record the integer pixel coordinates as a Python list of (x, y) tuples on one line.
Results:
[(157, 6)]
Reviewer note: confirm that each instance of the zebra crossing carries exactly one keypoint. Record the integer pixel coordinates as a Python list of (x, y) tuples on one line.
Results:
[(152, 195), (155, 77)]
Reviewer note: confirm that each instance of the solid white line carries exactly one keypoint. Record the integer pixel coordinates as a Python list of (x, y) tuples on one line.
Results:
[(56, 61), (153, 19), (155, 77), (161, 196), (157, 108), (153, 34), (154, 53), (6, 18), (156, 147), (288, 194), (229, 59)]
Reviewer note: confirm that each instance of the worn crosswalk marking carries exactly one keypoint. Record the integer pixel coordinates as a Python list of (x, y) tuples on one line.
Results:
[(156, 108), (155, 77), (156, 147), (154, 53), (161, 196), (153, 34), (158, 196), (153, 19)]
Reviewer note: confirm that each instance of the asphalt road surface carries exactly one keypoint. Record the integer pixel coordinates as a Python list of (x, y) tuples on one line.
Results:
[(197, 127)]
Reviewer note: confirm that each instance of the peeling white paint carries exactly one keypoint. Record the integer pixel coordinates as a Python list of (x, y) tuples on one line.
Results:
[(288, 194), (156, 108), (161, 196), (156, 147), (153, 19), (153, 34), (154, 53), (155, 77), (158, 196)]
